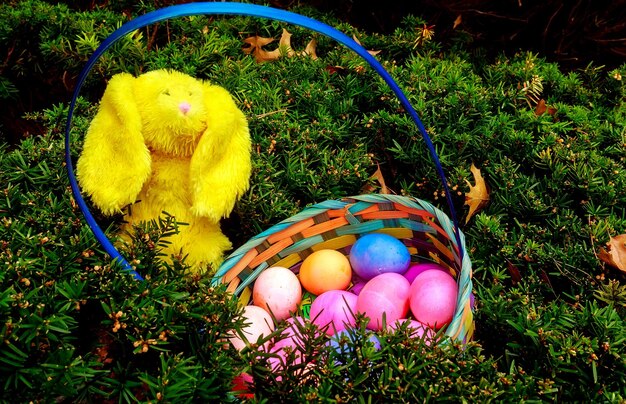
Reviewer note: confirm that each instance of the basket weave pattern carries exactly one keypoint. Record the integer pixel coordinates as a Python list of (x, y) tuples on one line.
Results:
[(336, 224)]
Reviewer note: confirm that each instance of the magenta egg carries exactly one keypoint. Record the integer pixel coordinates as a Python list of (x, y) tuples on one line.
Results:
[(278, 291), (384, 300), (257, 322), (357, 286), (378, 253), (335, 309), (433, 297), (415, 328), (417, 269)]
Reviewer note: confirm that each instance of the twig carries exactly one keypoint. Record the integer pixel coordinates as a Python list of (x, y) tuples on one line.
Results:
[(6, 60), (259, 116), (152, 37)]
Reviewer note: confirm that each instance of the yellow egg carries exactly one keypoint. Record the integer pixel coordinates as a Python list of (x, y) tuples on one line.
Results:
[(325, 270)]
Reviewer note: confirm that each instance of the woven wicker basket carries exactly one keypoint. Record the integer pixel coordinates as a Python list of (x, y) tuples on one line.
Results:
[(337, 224)]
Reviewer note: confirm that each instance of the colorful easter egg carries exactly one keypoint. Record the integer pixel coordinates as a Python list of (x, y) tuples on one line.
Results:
[(384, 299), (417, 269), (334, 309), (378, 253), (325, 270), (278, 291), (433, 297), (257, 322)]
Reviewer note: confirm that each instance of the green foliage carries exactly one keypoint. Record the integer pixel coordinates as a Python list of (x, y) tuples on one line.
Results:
[(74, 325), (549, 316), (404, 369)]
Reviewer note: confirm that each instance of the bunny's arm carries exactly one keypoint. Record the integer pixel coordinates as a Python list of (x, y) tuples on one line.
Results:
[(221, 165), (115, 162)]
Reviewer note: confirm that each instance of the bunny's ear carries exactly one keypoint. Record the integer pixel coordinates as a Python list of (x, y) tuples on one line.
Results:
[(221, 164), (115, 162)]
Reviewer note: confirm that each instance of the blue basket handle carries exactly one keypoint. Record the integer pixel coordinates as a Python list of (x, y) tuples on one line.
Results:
[(226, 8)]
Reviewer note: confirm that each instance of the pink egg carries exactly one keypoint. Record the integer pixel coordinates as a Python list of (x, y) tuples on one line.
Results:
[(433, 298), (290, 340), (257, 322), (291, 336), (278, 291), (385, 295), (417, 269), (415, 328), (335, 309)]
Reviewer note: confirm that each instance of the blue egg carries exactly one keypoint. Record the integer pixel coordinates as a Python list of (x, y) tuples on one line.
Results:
[(378, 253), (340, 341)]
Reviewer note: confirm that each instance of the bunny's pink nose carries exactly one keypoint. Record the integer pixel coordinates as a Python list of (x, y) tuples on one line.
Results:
[(184, 107)]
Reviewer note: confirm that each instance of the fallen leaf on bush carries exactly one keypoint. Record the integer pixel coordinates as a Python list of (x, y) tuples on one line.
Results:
[(545, 278), (515, 273), (542, 108), (336, 69), (371, 52), (615, 253), (457, 22), (256, 43), (478, 195), (255, 46), (378, 176), (310, 49), (284, 44)]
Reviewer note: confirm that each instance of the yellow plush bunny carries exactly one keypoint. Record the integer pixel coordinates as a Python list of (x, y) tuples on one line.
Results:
[(165, 141)]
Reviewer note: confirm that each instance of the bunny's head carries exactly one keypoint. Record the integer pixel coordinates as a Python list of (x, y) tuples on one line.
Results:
[(172, 110), (172, 114)]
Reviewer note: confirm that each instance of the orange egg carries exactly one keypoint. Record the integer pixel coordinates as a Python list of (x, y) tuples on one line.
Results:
[(325, 270)]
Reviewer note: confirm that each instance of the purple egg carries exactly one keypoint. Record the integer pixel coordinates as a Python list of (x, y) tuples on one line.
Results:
[(378, 253), (357, 287), (417, 269)]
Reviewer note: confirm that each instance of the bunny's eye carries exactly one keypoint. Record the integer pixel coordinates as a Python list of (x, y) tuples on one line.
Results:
[(190, 93), (166, 92)]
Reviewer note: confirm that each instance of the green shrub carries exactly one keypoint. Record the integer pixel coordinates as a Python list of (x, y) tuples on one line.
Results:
[(549, 316)]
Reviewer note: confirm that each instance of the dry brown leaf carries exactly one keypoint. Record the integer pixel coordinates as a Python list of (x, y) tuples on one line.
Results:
[(310, 49), (256, 43), (478, 195), (371, 52), (516, 275), (615, 253), (457, 22), (255, 46), (336, 69), (378, 176), (284, 44), (542, 108)]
